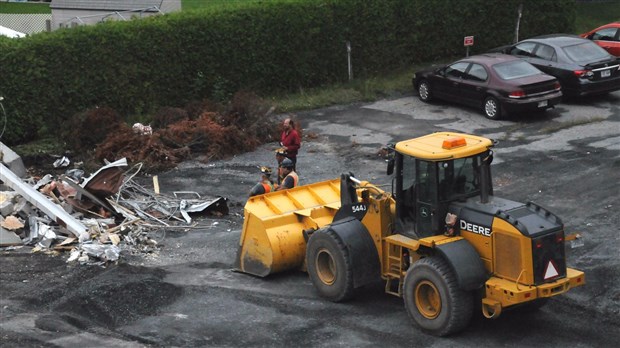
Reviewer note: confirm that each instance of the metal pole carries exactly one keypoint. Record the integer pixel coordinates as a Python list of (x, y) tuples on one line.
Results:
[(520, 11), (349, 61), (37, 199), (5, 120)]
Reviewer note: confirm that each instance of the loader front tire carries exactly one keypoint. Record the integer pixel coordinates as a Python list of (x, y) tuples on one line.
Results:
[(329, 267), (433, 298)]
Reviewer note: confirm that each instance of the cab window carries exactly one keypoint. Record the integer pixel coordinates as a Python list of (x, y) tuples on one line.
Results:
[(458, 178), (408, 190), (426, 182), (408, 173), (406, 202)]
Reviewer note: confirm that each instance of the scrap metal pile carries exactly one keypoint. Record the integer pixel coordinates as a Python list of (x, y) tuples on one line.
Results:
[(95, 218)]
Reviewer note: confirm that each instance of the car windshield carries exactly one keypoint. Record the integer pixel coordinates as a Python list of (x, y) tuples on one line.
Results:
[(515, 69), (586, 52)]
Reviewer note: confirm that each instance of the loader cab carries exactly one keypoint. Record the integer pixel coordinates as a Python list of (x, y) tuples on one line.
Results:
[(433, 171)]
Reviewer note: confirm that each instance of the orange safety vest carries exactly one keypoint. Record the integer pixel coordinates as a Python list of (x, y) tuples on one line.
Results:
[(294, 176), (267, 185)]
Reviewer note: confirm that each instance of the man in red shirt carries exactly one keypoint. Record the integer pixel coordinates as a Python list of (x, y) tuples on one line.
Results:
[(290, 141)]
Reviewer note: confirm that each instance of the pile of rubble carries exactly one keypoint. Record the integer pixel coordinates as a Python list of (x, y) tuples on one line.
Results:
[(95, 217)]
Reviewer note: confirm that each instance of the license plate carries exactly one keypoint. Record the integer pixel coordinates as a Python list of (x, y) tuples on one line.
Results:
[(542, 104), (605, 73)]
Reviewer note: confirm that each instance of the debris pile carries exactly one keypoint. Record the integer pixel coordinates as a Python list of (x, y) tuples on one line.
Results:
[(94, 218), (201, 130), (99, 217)]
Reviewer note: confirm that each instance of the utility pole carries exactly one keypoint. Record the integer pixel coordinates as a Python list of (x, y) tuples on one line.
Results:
[(520, 11)]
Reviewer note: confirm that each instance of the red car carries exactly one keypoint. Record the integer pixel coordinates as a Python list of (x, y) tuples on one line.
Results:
[(607, 36)]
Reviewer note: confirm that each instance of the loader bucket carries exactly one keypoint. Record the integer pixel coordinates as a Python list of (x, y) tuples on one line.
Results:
[(272, 238)]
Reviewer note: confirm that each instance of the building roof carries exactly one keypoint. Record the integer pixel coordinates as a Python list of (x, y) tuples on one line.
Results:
[(105, 5)]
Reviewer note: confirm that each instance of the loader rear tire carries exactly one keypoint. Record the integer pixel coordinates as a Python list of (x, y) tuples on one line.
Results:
[(433, 298), (330, 271)]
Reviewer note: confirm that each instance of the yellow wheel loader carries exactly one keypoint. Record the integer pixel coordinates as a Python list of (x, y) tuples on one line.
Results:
[(440, 239)]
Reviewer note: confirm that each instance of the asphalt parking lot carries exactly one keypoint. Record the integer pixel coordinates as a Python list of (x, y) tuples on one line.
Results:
[(566, 159)]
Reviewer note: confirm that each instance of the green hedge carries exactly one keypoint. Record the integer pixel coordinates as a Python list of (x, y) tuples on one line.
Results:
[(138, 66)]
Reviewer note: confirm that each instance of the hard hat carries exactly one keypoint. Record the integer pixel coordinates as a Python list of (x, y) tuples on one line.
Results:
[(287, 163), (265, 170), (281, 152)]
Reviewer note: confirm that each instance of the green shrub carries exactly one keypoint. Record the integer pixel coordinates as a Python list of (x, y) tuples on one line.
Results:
[(138, 66)]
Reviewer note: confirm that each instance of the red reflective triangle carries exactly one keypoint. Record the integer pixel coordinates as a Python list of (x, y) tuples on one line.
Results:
[(551, 271)]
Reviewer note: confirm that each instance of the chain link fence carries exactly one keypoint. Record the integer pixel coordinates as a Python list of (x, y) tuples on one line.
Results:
[(26, 23)]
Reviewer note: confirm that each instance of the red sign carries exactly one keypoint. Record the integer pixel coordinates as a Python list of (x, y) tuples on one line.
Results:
[(468, 41)]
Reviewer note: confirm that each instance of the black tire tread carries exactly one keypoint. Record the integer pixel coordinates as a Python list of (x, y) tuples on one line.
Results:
[(344, 280), (461, 301)]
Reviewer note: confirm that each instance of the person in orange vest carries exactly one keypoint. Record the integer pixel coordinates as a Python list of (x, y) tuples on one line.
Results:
[(290, 177), (280, 156), (264, 185)]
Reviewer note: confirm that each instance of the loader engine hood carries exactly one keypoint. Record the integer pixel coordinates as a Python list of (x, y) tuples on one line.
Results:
[(530, 219)]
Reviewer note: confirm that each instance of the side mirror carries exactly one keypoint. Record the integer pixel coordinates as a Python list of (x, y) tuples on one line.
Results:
[(390, 166), (389, 154), (489, 159)]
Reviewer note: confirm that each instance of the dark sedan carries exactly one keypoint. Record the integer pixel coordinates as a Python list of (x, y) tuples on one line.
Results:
[(581, 66), (499, 84)]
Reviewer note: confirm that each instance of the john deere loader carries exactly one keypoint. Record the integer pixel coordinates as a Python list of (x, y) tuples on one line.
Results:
[(440, 239)]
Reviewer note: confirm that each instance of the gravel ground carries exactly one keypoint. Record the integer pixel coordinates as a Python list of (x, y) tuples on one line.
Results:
[(186, 294)]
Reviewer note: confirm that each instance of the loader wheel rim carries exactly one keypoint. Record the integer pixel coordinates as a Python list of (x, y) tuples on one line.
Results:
[(427, 299), (325, 266)]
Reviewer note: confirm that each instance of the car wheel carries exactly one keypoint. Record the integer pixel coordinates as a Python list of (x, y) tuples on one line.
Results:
[(492, 109), (424, 91)]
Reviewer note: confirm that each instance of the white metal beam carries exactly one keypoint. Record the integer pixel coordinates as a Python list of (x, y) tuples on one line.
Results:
[(37, 199)]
